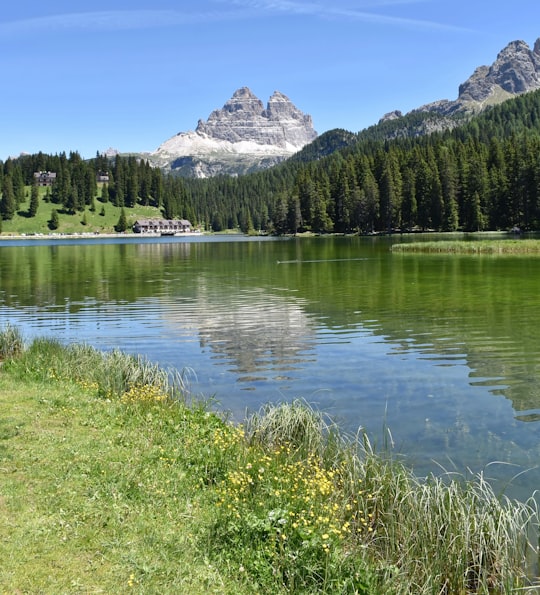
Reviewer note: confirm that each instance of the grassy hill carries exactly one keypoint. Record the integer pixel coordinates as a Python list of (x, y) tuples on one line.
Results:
[(100, 220)]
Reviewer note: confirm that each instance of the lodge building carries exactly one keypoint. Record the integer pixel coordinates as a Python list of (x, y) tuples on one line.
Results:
[(162, 226)]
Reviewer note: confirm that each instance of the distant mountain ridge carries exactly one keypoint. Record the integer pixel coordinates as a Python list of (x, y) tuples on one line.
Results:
[(240, 137), (515, 71), (244, 136)]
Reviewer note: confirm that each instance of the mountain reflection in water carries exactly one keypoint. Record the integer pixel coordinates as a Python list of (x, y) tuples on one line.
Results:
[(441, 350)]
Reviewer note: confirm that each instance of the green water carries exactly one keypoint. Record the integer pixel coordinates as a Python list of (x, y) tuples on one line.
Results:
[(436, 356)]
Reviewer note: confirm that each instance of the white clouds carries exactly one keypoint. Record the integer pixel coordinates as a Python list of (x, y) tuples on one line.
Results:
[(232, 10), (337, 11), (113, 20)]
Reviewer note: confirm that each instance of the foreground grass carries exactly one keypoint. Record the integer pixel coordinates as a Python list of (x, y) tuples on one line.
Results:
[(472, 247), (111, 482)]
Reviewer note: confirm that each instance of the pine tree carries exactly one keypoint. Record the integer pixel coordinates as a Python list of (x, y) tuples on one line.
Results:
[(34, 201), (390, 186), (54, 221), (18, 186), (121, 226), (8, 205), (105, 193)]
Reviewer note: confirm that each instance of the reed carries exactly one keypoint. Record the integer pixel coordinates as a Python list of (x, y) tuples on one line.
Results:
[(110, 373), (282, 504), (339, 501), (11, 342), (489, 247)]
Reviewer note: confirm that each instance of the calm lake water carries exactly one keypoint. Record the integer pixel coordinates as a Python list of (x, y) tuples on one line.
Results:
[(439, 353)]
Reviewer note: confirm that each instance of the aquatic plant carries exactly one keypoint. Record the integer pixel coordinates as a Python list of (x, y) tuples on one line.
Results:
[(493, 247)]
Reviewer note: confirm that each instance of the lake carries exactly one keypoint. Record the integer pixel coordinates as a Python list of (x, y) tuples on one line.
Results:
[(435, 356)]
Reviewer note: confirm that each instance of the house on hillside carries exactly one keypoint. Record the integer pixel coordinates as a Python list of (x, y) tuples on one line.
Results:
[(102, 176), (162, 226), (45, 178)]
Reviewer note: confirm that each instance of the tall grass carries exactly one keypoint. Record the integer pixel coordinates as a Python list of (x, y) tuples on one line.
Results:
[(287, 504), (494, 247), (111, 373), (11, 342)]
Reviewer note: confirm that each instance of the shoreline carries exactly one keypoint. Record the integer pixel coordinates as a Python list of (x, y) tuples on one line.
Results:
[(92, 235)]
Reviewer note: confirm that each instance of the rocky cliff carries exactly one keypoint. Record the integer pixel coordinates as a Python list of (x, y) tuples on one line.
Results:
[(241, 137), (515, 71)]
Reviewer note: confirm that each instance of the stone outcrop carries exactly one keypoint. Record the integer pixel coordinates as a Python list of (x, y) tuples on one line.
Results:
[(515, 71), (240, 137)]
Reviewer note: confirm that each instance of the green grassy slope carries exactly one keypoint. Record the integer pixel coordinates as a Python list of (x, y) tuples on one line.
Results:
[(97, 221)]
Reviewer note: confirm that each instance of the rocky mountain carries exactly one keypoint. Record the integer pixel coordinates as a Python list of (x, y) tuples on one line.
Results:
[(241, 137), (516, 70)]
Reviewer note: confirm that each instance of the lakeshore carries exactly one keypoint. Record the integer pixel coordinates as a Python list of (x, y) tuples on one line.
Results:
[(113, 482)]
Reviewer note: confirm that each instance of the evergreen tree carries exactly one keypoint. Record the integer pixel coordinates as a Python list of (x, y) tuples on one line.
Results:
[(8, 205), (105, 193), (370, 202), (71, 201), (390, 186), (321, 220), (156, 188), (121, 225), (54, 221), (279, 215), (294, 216), (409, 204), (448, 179), (34, 201), (119, 192), (217, 222), (18, 186), (132, 183)]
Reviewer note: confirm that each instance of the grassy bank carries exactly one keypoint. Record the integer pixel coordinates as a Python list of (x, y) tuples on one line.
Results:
[(471, 247), (102, 218), (112, 481)]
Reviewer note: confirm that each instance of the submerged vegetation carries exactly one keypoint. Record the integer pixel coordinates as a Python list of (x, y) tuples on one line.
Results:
[(114, 481), (473, 247)]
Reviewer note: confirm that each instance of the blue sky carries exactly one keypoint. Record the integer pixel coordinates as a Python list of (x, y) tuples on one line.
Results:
[(130, 75)]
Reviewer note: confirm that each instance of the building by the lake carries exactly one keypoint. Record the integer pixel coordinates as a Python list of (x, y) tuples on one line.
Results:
[(162, 226), (45, 178)]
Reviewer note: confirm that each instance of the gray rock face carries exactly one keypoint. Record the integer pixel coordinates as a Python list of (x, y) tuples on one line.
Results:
[(243, 118), (241, 137), (395, 115), (515, 71)]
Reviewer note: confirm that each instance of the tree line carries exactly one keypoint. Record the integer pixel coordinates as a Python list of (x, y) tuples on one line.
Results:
[(130, 181), (482, 173)]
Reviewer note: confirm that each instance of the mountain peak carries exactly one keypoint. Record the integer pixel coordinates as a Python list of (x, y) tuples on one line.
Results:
[(243, 118), (516, 70), (243, 92), (243, 127)]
